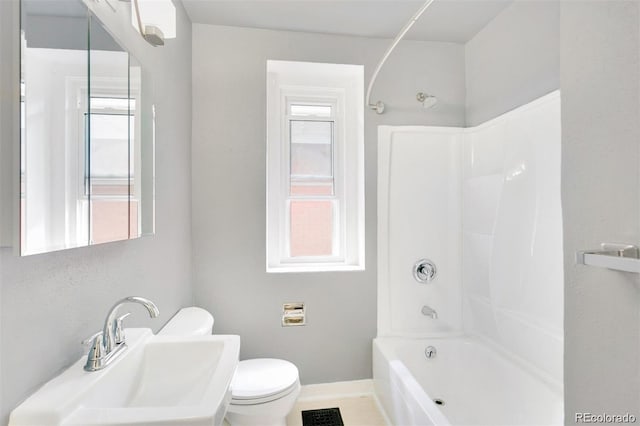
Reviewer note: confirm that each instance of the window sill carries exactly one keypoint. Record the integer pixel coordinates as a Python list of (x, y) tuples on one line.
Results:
[(328, 267)]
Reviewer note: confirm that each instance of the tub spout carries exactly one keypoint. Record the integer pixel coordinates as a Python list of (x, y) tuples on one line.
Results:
[(430, 312)]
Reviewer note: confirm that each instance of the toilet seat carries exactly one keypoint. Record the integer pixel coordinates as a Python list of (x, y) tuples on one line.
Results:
[(264, 399), (262, 380)]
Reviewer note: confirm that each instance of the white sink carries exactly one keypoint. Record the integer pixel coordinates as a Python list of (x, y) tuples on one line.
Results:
[(168, 380)]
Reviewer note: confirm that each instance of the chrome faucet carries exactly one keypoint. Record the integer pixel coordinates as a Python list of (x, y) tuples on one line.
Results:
[(109, 343), (430, 312)]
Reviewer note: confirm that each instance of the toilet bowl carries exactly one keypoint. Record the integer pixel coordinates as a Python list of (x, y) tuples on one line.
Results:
[(263, 391)]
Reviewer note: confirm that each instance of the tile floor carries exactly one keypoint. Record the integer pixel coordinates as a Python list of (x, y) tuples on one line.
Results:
[(355, 411)]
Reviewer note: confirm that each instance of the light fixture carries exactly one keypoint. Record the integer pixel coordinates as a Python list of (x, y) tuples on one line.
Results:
[(155, 20)]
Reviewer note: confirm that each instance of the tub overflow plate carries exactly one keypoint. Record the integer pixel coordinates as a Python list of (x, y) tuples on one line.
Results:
[(430, 352)]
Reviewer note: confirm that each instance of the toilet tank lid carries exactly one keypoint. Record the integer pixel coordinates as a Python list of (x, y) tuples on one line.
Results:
[(190, 321)]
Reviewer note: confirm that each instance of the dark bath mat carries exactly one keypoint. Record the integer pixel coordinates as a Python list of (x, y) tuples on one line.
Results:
[(322, 417)]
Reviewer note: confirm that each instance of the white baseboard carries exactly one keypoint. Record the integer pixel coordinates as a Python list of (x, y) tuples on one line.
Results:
[(352, 388)]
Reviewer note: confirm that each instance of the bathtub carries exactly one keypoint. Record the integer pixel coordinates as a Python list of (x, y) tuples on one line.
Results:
[(467, 382)]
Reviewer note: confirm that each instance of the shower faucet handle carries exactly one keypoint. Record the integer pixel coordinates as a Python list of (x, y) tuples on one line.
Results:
[(424, 271)]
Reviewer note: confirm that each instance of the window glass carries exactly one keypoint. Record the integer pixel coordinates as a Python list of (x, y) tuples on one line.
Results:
[(110, 146), (323, 111), (311, 151), (111, 212), (311, 228), (116, 104)]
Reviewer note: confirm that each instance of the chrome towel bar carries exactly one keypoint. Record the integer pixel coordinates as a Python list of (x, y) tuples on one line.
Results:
[(616, 256)]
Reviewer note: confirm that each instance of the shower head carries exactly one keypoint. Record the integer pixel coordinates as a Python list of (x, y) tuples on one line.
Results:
[(153, 35), (428, 101)]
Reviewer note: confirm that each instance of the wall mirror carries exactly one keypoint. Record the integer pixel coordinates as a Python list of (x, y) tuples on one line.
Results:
[(87, 132)]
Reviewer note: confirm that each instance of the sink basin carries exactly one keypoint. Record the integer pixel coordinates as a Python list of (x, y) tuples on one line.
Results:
[(158, 380)]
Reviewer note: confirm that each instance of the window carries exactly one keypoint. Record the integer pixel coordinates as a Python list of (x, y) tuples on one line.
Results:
[(315, 167), (108, 180)]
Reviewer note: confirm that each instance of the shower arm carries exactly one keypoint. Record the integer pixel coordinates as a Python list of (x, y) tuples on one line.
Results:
[(379, 106)]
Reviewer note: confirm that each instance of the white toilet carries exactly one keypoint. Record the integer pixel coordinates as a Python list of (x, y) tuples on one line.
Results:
[(263, 391)]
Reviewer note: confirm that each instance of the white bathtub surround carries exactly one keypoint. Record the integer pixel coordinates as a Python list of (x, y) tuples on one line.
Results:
[(494, 228)]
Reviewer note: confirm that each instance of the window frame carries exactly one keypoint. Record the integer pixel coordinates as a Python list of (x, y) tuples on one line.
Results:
[(307, 85), (335, 101)]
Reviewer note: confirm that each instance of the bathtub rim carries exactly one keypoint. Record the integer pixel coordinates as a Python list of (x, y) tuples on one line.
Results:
[(556, 386)]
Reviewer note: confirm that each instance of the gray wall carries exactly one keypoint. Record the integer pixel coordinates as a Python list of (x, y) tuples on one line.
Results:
[(229, 78), (600, 81), (9, 114), (513, 60), (8, 110), (50, 302)]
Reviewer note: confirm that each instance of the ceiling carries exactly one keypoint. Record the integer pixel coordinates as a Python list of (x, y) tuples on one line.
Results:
[(445, 20)]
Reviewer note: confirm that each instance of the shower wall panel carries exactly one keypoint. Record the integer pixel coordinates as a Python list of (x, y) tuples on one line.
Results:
[(512, 234), (419, 208)]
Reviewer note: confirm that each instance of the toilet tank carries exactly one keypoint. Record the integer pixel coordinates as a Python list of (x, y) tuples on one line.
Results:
[(189, 322)]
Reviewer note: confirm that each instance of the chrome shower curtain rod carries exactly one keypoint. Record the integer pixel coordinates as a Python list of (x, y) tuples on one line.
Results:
[(379, 106)]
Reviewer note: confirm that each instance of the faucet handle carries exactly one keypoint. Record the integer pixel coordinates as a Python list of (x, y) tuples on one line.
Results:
[(118, 330), (96, 351), (89, 340)]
